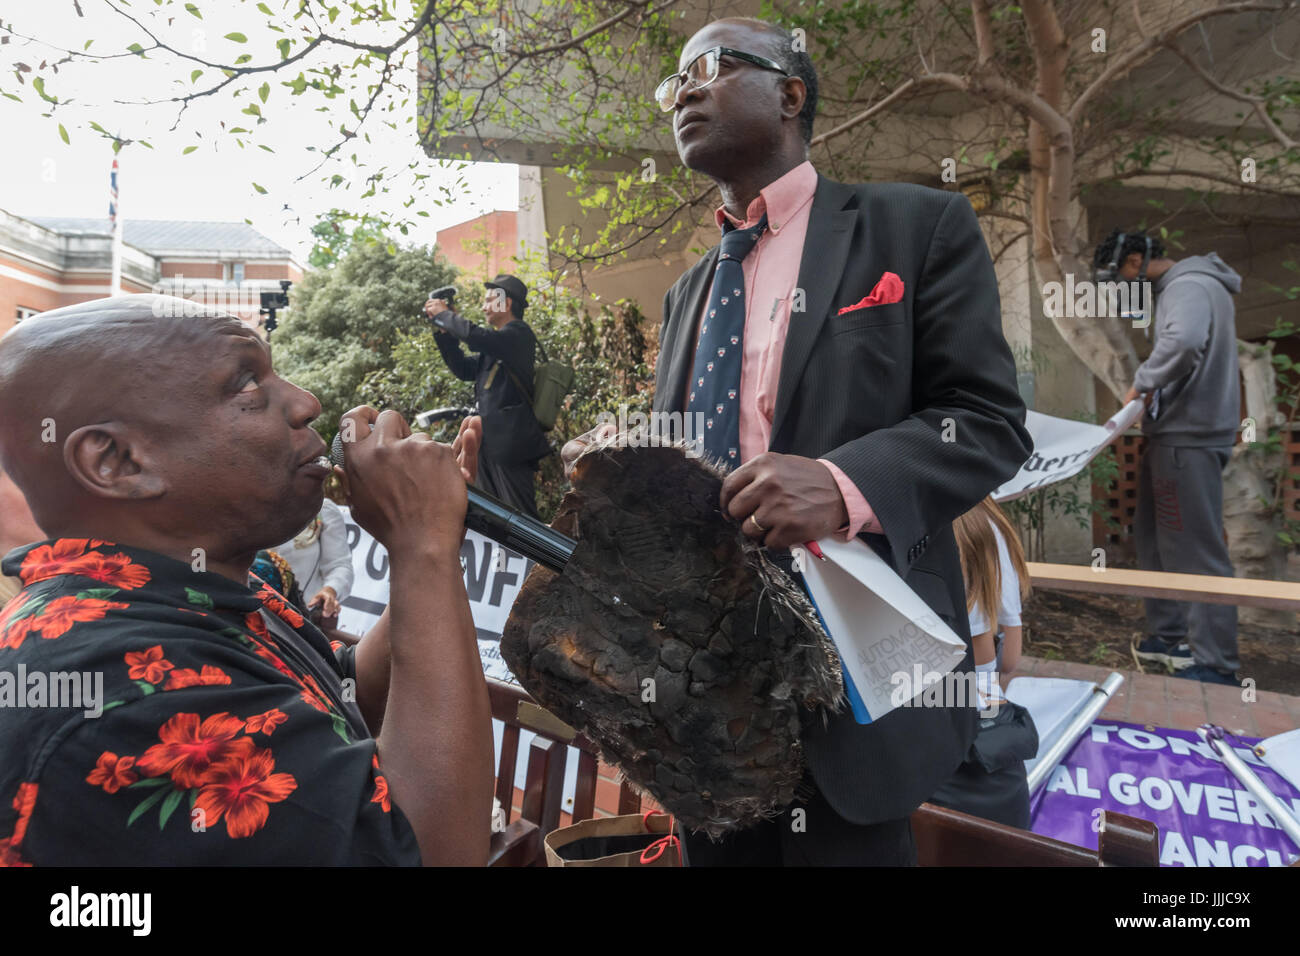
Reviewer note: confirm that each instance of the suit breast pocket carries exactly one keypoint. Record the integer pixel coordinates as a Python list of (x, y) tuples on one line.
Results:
[(871, 317)]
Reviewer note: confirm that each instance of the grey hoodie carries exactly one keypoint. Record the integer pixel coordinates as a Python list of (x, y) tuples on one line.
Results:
[(1194, 361)]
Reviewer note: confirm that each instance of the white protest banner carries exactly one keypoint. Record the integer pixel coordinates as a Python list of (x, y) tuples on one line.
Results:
[(1063, 448), (892, 645), (493, 577)]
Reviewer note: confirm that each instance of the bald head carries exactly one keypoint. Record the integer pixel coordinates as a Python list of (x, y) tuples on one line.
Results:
[(126, 418), (95, 362)]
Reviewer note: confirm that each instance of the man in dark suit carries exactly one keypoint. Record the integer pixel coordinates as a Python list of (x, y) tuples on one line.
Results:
[(876, 397), (502, 373)]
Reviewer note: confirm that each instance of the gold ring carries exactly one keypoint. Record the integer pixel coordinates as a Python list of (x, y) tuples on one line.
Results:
[(761, 529)]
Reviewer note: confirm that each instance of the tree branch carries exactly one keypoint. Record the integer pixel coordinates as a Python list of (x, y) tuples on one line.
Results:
[(1148, 47), (1256, 102), (983, 30)]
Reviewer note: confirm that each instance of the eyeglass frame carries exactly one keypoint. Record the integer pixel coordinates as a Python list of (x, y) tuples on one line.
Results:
[(722, 51)]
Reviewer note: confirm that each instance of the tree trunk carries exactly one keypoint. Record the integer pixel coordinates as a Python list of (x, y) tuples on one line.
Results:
[(1251, 517)]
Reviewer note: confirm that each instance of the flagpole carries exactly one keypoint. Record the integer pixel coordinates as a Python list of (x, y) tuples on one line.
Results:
[(116, 220)]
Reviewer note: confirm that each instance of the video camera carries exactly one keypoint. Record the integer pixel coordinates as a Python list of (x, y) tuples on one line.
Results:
[(447, 293), (271, 301)]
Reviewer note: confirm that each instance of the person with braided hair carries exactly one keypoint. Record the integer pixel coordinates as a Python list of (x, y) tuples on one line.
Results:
[(1190, 383)]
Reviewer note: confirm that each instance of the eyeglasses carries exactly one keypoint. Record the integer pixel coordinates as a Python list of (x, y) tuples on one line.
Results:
[(703, 70)]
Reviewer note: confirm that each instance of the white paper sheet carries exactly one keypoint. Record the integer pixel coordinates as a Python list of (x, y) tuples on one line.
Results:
[(1282, 753), (1063, 448), (891, 642)]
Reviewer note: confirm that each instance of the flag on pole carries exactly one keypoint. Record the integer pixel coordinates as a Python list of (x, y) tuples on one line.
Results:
[(115, 224), (112, 197)]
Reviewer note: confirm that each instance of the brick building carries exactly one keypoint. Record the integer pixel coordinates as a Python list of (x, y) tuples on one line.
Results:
[(46, 263)]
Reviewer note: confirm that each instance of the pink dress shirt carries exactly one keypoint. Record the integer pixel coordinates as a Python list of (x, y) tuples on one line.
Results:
[(768, 294)]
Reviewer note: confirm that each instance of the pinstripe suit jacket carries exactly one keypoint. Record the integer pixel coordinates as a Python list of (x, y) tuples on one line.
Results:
[(917, 402)]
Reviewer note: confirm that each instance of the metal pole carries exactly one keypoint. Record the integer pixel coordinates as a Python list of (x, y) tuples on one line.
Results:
[(1213, 736), (1101, 694), (115, 211)]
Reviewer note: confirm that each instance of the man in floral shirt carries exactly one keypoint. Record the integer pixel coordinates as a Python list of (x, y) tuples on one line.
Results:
[(154, 709)]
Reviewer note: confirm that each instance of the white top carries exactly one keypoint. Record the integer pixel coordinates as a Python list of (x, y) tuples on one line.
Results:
[(1009, 602), (325, 560)]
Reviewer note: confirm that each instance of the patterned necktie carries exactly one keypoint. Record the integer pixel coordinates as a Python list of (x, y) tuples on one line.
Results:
[(715, 378)]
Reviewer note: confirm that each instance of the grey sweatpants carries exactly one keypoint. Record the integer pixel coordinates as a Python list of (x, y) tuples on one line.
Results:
[(1179, 528)]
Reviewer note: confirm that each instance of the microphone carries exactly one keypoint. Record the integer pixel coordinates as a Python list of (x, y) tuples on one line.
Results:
[(497, 520)]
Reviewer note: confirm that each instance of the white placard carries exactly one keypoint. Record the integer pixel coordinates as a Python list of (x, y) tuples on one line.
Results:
[(493, 577), (1063, 448)]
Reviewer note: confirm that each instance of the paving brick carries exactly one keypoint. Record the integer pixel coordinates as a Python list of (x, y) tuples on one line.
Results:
[(1148, 712), (1293, 705), (1231, 713), (1117, 706), (1271, 719), (1186, 717)]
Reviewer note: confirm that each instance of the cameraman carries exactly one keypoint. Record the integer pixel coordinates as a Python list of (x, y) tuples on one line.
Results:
[(502, 373)]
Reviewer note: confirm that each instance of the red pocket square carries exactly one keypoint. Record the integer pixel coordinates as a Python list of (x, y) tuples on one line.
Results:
[(888, 290)]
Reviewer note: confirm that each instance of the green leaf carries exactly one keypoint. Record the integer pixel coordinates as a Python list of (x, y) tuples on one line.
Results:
[(259, 188), (237, 37), (169, 807), (264, 91), (136, 48), (145, 804), (341, 727), (146, 688), (148, 782), (97, 594), (112, 704), (63, 134), (195, 74), (192, 9), (187, 150), (198, 598), (283, 45), (264, 8)]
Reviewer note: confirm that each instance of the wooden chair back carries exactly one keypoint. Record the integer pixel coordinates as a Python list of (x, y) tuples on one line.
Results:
[(947, 837), (541, 807)]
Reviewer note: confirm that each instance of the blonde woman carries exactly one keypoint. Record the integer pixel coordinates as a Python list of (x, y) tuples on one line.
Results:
[(991, 783), (997, 581)]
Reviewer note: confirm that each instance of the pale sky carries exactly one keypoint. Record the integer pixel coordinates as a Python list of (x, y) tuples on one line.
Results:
[(43, 176)]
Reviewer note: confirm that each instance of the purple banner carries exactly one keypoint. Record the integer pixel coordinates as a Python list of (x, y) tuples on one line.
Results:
[(1172, 778)]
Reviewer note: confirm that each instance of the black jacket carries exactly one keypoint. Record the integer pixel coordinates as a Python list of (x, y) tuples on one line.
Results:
[(511, 432), (872, 391)]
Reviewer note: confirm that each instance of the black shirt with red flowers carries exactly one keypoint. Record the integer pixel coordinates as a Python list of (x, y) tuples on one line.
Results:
[(154, 714)]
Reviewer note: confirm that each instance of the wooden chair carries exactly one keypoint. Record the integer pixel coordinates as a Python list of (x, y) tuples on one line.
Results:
[(950, 838), (542, 807)]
